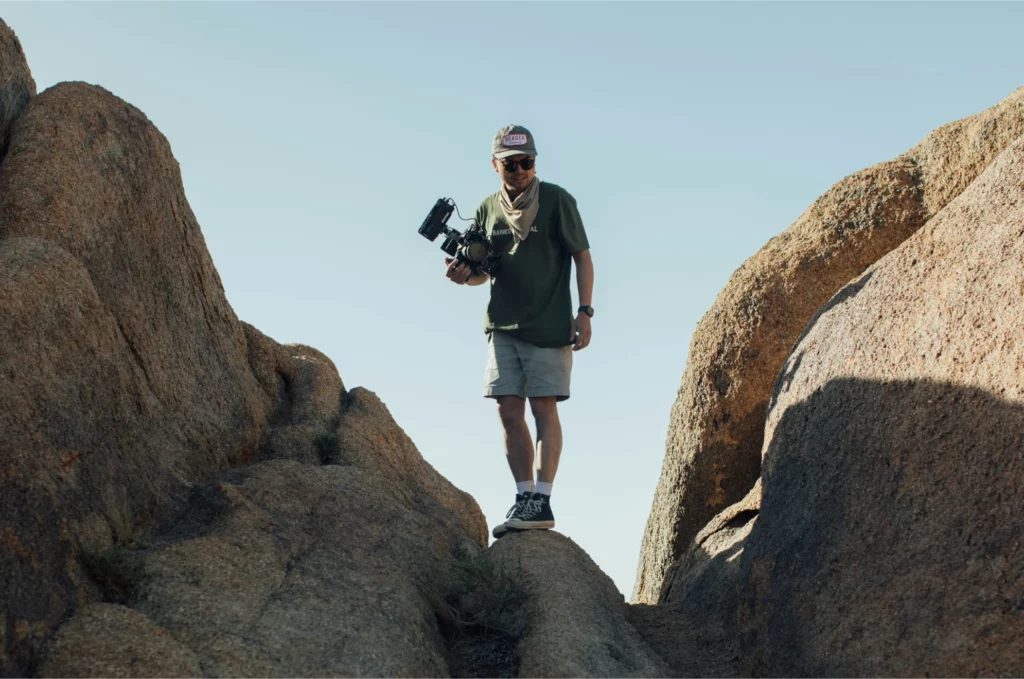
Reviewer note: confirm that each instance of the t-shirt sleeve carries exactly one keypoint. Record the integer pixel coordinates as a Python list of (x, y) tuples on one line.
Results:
[(480, 218), (570, 224)]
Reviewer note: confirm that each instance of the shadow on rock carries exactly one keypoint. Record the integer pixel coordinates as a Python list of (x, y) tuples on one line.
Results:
[(889, 540)]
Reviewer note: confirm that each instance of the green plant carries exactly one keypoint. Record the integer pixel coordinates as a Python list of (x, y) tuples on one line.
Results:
[(481, 610), (328, 445)]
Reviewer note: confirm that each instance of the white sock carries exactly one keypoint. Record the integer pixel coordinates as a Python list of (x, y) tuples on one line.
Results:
[(542, 488), (524, 487)]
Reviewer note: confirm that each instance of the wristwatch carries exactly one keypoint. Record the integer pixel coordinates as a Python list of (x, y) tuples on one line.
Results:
[(588, 310)]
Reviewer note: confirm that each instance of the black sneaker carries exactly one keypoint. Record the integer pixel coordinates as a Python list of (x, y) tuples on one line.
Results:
[(500, 529), (535, 514)]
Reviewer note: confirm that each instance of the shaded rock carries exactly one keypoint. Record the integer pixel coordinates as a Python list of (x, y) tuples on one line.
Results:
[(307, 391), (89, 172), (106, 640), (717, 422), (125, 374), (285, 569), (370, 439), (694, 628), (889, 540), (16, 83), (85, 453), (578, 620), (724, 535)]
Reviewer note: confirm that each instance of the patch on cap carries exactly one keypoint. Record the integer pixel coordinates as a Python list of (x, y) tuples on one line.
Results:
[(514, 140)]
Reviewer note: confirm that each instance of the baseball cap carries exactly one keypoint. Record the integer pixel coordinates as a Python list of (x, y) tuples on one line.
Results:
[(513, 140)]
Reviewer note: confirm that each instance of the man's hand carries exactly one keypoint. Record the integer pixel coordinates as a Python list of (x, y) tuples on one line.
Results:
[(582, 326), (456, 271)]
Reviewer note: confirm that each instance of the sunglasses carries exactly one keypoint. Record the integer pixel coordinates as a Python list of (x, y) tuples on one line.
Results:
[(513, 165)]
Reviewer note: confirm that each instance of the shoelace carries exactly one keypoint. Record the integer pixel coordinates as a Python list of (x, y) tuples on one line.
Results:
[(532, 509), (515, 508)]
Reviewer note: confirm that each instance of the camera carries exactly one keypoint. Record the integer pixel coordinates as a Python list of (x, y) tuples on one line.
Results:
[(471, 248)]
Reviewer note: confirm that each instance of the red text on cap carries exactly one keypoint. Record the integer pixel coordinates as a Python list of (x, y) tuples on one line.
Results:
[(514, 140)]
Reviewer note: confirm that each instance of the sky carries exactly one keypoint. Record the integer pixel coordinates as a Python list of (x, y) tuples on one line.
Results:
[(313, 138)]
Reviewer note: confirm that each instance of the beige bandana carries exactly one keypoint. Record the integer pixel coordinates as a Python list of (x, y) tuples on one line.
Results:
[(521, 212)]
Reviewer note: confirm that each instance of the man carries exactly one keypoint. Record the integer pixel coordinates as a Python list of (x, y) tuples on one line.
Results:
[(530, 324)]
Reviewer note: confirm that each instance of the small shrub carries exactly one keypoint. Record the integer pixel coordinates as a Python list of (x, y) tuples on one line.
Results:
[(328, 445), (118, 572), (480, 608)]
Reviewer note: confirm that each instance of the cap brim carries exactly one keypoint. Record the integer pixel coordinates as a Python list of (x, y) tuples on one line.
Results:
[(519, 152)]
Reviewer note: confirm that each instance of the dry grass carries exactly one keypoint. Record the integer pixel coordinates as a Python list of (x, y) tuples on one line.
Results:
[(118, 571), (328, 445), (480, 608)]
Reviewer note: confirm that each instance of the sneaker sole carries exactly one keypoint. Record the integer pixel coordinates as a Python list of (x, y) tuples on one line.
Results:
[(530, 525), (499, 531)]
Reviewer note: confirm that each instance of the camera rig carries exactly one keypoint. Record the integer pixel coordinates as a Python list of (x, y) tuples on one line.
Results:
[(471, 247)]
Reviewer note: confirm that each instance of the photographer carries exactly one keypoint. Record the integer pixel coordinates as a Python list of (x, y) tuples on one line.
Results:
[(530, 325)]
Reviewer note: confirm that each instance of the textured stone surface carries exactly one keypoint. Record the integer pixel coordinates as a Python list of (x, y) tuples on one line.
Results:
[(370, 439), (285, 569), (107, 640), (889, 541), (16, 83), (717, 422), (89, 172), (578, 621), (124, 376), (308, 393), (82, 440), (694, 628)]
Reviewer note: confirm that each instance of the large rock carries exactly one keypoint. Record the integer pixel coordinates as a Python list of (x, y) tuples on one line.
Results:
[(89, 173), (370, 439), (717, 422), (889, 540), (308, 393), (285, 569), (108, 640), (16, 84), (125, 375), (578, 621), (694, 628)]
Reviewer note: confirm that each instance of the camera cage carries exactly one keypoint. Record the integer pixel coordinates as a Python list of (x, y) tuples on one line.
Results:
[(470, 247)]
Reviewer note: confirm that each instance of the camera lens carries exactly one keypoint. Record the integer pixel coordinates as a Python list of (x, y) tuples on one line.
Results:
[(476, 252)]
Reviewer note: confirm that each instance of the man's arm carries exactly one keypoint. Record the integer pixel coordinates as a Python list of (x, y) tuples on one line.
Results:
[(478, 279), (585, 290)]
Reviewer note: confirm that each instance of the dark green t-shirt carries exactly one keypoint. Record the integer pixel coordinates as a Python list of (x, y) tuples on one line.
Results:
[(530, 295)]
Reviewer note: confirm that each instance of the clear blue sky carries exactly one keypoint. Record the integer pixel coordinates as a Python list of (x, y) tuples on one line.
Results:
[(313, 138)]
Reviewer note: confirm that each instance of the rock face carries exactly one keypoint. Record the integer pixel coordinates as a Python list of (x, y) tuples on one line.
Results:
[(716, 427), (124, 376), (286, 569), (90, 174), (578, 620), (107, 640), (694, 628), (889, 540), (16, 83), (307, 390)]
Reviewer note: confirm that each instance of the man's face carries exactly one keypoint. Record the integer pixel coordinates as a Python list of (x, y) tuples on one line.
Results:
[(513, 175)]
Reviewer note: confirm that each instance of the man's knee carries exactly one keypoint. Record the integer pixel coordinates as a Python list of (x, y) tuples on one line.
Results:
[(544, 408), (511, 410)]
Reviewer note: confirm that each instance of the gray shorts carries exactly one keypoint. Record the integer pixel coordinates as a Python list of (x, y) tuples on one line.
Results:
[(518, 368)]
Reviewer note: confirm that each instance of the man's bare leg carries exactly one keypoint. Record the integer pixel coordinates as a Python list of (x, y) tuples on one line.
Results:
[(549, 436), (536, 511), (518, 445)]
